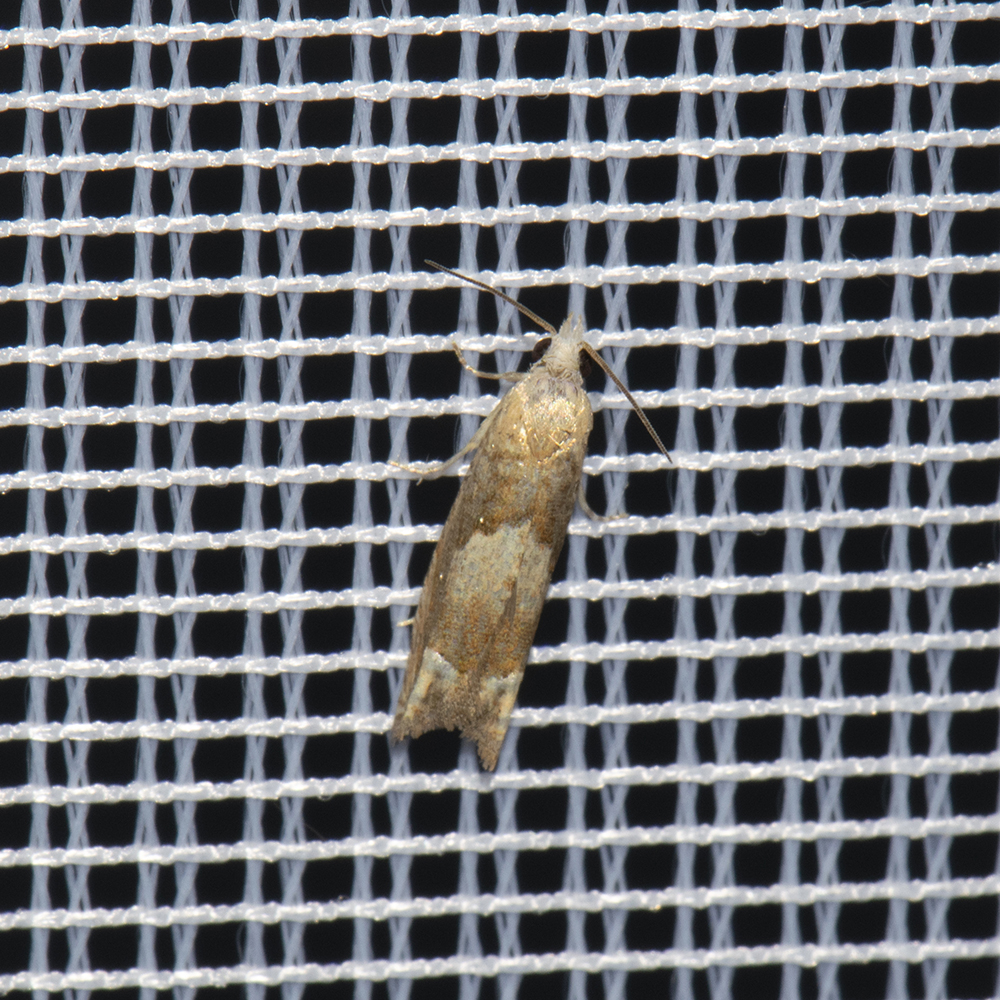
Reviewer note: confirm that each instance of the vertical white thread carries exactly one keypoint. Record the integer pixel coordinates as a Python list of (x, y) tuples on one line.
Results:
[(75, 753), (146, 832), (251, 329), (293, 828), (685, 504), (830, 804), (505, 174), (183, 687), (361, 763), (900, 681), (614, 737), (574, 243), (400, 948), (34, 459), (794, 499), (938, 788), (469, 941)]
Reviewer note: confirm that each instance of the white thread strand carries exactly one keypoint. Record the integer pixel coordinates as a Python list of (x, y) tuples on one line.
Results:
[(594, 213), (378, 409), (594, 652), (808, 458), (521, 840), (594, 276), (591, 715), (590, 590), (914, 517), (703, 774), (379, 970), (377, 345), (488, 89), (487, 905), (596, 152), (267, 29)]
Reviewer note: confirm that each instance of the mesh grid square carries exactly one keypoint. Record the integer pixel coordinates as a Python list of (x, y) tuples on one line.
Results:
[(756, 748)]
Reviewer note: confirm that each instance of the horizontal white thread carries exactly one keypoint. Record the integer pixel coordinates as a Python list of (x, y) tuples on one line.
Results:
[(588, 715), (381, 409), (596, 151), (201, 666), (203, 540), (487, 904), (805, 583), (487, 89), (759, 708), (270, 602), (806, 458), (594, 212), (805, 645), (591, 652), (705, 337), (97, 793), (593, 276), (703, 835), (808, 955), (489, 24), (273, 538)]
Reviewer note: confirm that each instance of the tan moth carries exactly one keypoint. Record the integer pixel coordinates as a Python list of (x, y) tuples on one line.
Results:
[(483, 594)]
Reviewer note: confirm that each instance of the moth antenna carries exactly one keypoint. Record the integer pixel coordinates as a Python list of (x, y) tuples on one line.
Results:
[(523, 310), (635, 406)]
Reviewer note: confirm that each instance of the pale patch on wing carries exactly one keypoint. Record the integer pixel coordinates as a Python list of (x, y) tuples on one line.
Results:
[(434, 679), (501, 693), (484, 571), (477, 703)]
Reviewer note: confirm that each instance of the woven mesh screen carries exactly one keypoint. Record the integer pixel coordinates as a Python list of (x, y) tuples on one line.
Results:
[(755, 751)]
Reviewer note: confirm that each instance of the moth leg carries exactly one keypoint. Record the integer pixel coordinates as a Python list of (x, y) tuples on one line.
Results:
[(581, 499), (507, 376), (439, 467)]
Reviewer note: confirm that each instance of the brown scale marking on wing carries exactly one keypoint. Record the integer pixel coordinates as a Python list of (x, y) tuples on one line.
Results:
[(530, 467)]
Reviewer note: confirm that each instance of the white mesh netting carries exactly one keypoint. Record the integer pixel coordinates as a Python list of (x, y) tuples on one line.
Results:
[(756, 750)]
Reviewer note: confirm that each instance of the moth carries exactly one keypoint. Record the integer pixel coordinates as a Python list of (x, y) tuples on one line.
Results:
[(484, 591)]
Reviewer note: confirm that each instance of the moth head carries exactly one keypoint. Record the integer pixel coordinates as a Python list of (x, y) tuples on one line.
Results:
[(565, 354), (538, 352)]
